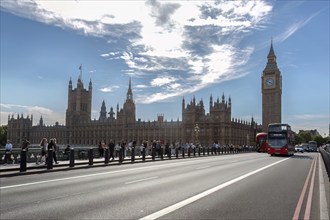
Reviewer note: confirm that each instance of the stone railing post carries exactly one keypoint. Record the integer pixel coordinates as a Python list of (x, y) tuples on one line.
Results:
[(22, 167), (71, 157), (90, 156), (50, 159), (106, 156)]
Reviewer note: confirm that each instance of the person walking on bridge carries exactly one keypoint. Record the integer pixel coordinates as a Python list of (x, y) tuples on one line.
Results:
[(8, 151)]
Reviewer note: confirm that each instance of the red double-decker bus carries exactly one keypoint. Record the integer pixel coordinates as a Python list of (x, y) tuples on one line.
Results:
[(261, 140), (280, 140)]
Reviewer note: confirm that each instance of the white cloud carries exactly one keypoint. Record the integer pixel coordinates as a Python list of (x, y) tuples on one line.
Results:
[(197, 40), (49, 116), (109, 89), (294, 28), (141, 86), (162, 80)]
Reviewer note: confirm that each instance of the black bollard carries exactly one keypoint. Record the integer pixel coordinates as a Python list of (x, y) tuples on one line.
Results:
[(203, 151), (208, 151), (120, 160), (71, 157), (182, 151), (161, 153), (133, 154), (144, 154), (177, 153), (106, 156), (153, 153), (50, 159), (199, 151), (189, 151), (90, 156), (194, 151), (22, 167), (222, 150)]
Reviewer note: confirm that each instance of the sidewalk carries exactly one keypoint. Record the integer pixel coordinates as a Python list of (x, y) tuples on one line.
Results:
[(7, 170)]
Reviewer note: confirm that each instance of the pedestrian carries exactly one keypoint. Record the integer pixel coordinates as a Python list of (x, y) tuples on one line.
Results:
[(51, 146), (111, 149), (117, 149), (144, 146), (123, 149), (67, 152), (55, 149), (129, 148), (101, 149), (25, 144), (43, 147), (167, 149), (158, 146), (8, 152)]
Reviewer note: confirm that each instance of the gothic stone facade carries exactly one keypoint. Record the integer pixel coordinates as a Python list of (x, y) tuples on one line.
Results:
[(198, 126)]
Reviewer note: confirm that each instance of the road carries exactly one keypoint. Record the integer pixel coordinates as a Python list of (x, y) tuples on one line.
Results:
[(239, 186)]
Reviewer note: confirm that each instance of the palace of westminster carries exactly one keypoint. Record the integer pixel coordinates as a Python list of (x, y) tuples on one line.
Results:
[(197, 125)]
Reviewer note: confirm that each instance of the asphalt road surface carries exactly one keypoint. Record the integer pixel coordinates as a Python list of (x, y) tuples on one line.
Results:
[(241, 186)]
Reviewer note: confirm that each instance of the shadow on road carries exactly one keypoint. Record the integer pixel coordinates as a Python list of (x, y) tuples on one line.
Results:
[(304, 157)]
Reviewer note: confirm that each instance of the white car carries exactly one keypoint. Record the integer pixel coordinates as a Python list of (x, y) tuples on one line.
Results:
[(299, 149)]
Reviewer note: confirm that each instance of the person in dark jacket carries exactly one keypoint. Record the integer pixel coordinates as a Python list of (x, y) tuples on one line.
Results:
[(111, 146)]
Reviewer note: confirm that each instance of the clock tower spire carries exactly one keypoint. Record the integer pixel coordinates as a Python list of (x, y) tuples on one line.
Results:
[(271, 88)]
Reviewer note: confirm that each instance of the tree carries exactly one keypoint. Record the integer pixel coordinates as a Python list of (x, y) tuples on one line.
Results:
[(3, 135), (320, 140), (298, 139), (305, 136)]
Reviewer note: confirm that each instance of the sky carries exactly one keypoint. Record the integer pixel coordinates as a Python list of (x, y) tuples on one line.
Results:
[(171, 50)]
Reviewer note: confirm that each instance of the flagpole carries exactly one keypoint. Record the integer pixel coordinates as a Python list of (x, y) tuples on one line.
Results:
[(80, 75)]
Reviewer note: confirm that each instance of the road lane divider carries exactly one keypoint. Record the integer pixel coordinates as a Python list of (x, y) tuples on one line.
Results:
[(324, 214), (310, 194), (141, 180), (190, 200), (303, 192), (175, 164)]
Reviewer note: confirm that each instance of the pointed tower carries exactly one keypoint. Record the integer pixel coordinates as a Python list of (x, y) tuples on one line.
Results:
[(271, 87), (79, 103), (103, 113), (129, 95), (129, 106), (211, 103), (111, 114), (41, 121)]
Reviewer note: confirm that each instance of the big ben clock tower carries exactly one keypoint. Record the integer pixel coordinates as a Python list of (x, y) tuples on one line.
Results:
[(271, 86)]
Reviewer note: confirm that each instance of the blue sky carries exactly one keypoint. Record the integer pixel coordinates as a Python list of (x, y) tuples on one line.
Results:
[(171, 50)]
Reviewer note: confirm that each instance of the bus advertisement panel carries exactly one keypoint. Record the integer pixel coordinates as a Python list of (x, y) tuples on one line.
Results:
[(261, 140), (280, 140)]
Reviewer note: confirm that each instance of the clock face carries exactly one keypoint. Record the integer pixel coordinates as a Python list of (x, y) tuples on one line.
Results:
[(269, 82)]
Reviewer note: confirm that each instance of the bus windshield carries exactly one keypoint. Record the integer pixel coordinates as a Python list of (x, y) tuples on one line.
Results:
[(279, 128), (277, 142)]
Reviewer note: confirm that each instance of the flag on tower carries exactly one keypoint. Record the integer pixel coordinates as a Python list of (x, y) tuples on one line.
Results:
[(80, 74)]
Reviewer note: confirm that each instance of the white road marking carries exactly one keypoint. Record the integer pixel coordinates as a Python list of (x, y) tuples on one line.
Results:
[(324, 214), (140, 180), (199, 168), (185, 202)]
